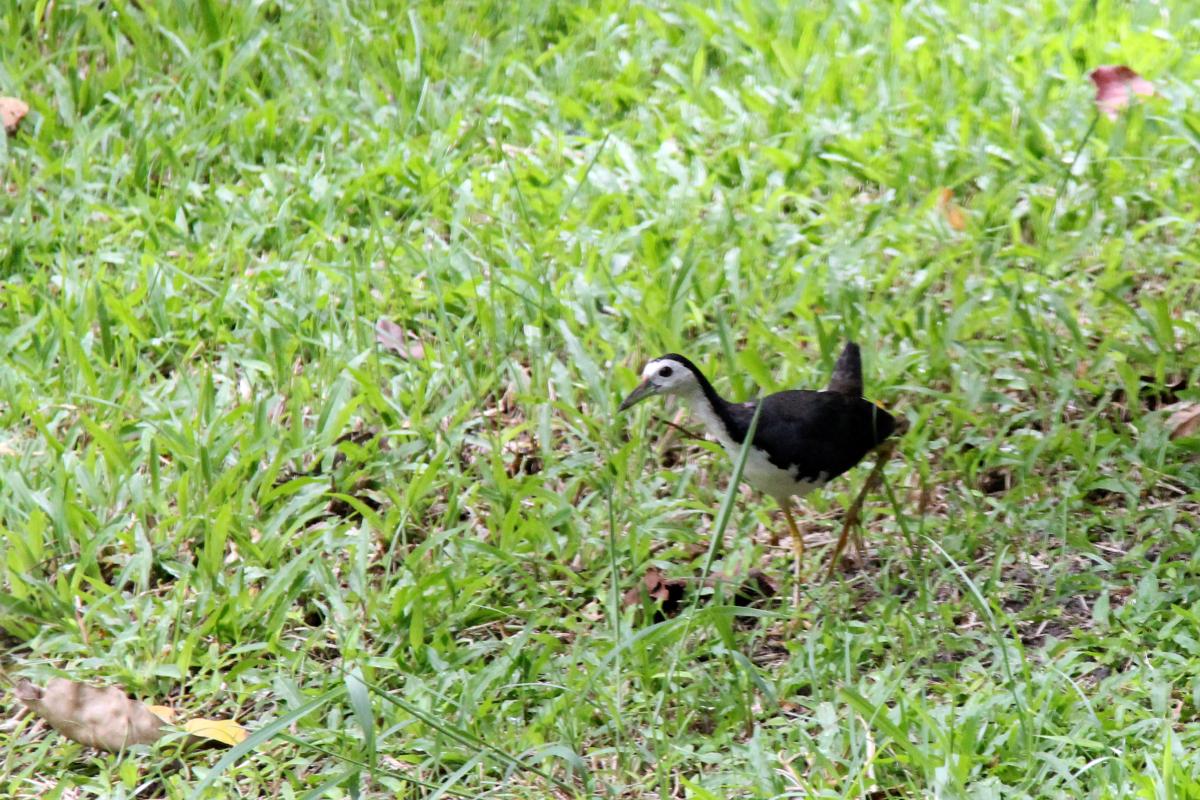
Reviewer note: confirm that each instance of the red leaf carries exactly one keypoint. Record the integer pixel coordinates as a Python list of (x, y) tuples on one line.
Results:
[(1116, 87), (392, 337), (12, 111)]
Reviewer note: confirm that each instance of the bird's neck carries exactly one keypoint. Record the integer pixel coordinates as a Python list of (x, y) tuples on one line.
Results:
[(712, 409)]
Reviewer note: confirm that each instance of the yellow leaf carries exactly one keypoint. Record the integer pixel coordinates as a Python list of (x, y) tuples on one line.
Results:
[(165, 713), (956, 218), (225, 731)]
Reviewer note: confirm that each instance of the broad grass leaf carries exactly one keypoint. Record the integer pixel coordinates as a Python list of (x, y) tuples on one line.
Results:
[(260, 736), (360, 702), (1102, 609)]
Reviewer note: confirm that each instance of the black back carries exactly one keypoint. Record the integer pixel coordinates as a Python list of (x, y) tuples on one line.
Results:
[(809, 433)]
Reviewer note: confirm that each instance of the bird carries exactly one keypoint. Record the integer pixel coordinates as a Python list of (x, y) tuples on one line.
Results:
[(804, 438)]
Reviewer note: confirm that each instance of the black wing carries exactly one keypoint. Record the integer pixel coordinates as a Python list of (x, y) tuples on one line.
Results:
[(809, 433)]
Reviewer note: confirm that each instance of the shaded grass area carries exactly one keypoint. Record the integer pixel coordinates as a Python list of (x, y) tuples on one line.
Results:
[(216, 490)]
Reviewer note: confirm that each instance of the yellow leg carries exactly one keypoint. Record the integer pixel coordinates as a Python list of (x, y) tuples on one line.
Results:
[(797, 539), (853, 518), (850, 521), (797, 549)]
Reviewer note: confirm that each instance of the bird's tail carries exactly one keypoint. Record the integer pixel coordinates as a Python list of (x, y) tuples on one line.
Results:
[(847, 372)]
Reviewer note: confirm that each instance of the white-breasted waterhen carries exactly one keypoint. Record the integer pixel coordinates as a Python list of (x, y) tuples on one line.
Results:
[(804, 439)]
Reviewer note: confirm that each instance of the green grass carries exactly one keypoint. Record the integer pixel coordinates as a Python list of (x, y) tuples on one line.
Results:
[(218, 492)]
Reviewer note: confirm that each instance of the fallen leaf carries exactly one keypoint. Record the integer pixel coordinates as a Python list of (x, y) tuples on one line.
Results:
[(165, 713), (1116, 87), (392, 337), (666, 591), (1184, 421), (995, 480), (758, 586), (225, 731), (12, 111), (956, 218), (104, 718)]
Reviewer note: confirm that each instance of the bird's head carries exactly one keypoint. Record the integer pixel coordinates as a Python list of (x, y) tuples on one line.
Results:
[(669, 374)]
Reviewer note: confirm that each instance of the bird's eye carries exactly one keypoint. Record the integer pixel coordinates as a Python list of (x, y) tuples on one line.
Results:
[(665, 372)]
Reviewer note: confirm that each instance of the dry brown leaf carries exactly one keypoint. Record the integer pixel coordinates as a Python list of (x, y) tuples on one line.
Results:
[(12, 111), (1116, 87), (659, 589), (758, 586), (104, 718), (956, 218), (225, 731), (1184, 421), (392, 337)]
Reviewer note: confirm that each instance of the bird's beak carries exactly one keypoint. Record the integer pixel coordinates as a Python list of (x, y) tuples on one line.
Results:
[(643, 390)]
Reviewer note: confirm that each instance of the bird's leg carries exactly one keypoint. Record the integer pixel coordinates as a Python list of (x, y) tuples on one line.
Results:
[(852, 520), (849, 521), (797, 548)]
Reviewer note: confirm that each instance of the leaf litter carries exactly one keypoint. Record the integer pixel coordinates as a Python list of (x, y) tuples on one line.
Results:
[(106, 718), (667, 595), (1184, 420)]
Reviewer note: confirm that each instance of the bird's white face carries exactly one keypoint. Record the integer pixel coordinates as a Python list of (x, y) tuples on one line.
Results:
[(663, 376), (668, 376)]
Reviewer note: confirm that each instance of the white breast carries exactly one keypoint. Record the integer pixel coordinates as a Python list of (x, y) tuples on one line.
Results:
[(759, 472), (766, 477)]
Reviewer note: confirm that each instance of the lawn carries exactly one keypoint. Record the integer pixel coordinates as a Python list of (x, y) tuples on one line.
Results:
[(314, 319)]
